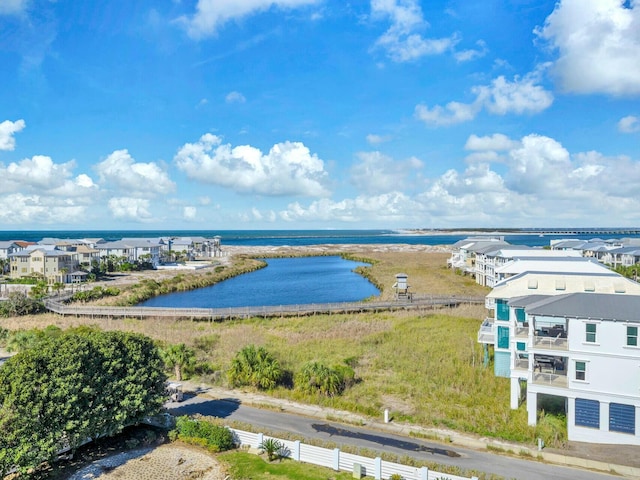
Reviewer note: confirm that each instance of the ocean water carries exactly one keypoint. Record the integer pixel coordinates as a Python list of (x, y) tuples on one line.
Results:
[(302, 237), (285, 281)]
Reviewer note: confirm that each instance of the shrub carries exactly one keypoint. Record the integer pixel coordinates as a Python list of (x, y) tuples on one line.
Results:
[(272, 447), (315, 377), (202, 432), (256, 367)]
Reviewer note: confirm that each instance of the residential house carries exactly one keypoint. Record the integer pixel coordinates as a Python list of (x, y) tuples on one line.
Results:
[(132, 249), (52, 264), (490, 258), (503, 329), (463, 256), (622, 256), (582, 347)]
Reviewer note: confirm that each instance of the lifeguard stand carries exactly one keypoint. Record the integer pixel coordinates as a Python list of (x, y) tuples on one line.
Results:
[(402, 287)]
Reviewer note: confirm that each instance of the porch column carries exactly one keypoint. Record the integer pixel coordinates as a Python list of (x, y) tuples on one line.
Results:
[(515, 393), (532, 407), (604, 416)]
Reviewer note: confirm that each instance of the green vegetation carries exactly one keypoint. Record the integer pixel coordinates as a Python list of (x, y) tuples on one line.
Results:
[(66, 387), (178, 357), (273, 448), (631, 271), (18, 304), (246, 466), (256, 367), (95, 293), (201, 431), (316, 377)]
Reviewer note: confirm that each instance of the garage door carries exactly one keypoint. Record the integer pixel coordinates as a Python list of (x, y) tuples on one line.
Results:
[(587, 413), (622, 418)]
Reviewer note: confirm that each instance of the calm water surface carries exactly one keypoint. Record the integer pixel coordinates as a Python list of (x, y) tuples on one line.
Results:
[(285, 281)]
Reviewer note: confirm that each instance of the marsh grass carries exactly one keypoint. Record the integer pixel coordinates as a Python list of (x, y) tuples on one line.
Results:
[(425, 367)]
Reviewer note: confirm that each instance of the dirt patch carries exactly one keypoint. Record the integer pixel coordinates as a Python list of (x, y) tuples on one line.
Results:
[(166, 462)]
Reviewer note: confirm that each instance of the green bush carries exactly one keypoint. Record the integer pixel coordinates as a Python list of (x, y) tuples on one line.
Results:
[(256, 367), (202, 432)]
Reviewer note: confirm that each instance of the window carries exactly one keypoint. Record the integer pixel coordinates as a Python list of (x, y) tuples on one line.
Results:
[(520, 316), (581, 371), (632, 336), (591, 333), (521, 346), (502, 310), (503, 337)]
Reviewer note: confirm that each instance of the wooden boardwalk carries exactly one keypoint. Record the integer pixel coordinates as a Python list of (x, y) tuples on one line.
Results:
[(217, 314)]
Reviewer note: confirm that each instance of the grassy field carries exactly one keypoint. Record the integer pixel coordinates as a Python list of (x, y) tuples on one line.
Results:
[(427, 367)]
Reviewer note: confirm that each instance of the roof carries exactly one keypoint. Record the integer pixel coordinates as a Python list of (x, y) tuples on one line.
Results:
[(523, 301), (558, 283), (552, 264), (7, 244), (592, 306)]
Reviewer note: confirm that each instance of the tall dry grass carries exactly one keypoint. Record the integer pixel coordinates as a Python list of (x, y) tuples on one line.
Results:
[(427, 368)]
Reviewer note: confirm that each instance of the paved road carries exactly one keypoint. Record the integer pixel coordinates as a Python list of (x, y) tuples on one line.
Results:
[(273, 421)]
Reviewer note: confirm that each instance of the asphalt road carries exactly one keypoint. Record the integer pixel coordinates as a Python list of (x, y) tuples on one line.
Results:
[(314, 428)]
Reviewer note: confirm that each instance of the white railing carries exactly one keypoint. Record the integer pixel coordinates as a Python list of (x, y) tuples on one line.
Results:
[(338, 460), (485, 333)]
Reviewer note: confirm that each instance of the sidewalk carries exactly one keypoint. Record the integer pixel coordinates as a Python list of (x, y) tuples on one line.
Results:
[(620, 459)]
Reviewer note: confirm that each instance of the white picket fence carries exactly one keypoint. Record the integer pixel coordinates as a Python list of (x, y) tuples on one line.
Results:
[(333, 458)]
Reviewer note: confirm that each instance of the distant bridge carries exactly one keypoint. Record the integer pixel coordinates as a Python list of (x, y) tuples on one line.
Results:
[(218, 314)]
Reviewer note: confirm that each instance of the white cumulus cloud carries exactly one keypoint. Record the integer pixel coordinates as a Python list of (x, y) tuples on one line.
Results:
[(235, 97), (121, 171), (7, 130), (376, 173), (13, 7), (629, 124), (403, 40), (497, 141), (212, 14), (598, 45), (30, 209), (189, 213), (130, 208), (287, 169), (520, 96)]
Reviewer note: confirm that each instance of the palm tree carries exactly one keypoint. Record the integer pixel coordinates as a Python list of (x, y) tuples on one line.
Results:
[(255, 366), (178, 357)]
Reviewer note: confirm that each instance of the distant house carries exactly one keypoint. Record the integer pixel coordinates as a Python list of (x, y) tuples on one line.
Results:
[(52, 264), (7, 248), (490, 259), (463, 256), (132, 249)]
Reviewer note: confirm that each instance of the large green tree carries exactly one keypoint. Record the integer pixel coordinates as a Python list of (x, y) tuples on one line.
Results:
[(73, 387)]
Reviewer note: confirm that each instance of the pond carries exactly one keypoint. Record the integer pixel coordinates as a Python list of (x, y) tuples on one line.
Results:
[(285, 281)]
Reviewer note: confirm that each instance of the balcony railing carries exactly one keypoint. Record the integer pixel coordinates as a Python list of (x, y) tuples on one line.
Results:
[(521, 363), (522, 330), (551, 379), (558, 342), (485, 334)]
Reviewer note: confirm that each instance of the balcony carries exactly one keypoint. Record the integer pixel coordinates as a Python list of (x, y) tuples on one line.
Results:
[(551, 339), (485, 334), (521, 362), (549, 370), (522, 330)]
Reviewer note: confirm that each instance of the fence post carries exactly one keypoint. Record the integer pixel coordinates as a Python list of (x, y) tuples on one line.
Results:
[(424, 473), (336, 459), (377, 468), (296, 450), (259, 440)]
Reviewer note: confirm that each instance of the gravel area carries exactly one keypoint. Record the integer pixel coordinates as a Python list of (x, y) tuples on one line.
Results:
[(166, 462)]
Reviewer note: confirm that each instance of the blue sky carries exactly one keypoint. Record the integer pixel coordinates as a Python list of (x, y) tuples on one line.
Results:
[(304, 114)]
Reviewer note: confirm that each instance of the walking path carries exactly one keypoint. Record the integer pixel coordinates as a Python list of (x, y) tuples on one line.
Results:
[(621, 459)]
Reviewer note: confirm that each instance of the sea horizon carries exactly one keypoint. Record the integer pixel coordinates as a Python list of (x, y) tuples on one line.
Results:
[(278, 237)]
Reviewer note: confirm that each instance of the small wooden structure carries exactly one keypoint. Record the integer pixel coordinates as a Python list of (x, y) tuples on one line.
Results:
[(401, 287)]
